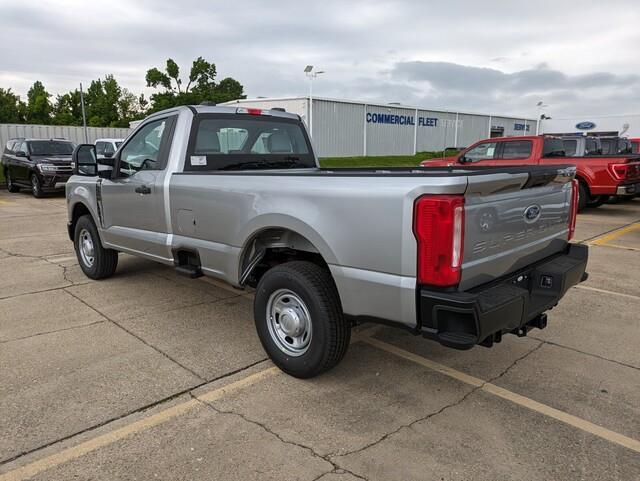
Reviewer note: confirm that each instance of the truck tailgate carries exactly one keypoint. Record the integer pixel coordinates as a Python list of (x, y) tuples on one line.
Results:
[(510, 226)]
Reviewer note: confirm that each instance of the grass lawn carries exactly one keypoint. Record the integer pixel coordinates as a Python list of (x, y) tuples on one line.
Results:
[(383, 161)]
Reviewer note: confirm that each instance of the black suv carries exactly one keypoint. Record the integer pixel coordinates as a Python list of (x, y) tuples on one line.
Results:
[(42, 165)]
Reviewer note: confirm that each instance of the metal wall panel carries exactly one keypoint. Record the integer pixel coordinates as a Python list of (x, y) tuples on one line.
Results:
[(72, 133), (338, 129), (388, 138), (471, 128), (509, 126), (436, 137)]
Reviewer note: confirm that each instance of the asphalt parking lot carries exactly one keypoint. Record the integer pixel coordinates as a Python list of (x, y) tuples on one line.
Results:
[(148, 375)]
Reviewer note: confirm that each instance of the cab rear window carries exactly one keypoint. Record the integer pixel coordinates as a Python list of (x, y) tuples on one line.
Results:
[(222, 141)]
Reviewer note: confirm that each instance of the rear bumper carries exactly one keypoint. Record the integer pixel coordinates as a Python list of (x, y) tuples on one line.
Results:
[(629, 189), (513, 304)]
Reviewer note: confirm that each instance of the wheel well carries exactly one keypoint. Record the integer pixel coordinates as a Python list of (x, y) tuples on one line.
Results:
[(583, 182), (78, 211), (274, 246)]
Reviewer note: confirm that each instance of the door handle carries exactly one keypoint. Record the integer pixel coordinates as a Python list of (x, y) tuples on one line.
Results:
[(143, 189)]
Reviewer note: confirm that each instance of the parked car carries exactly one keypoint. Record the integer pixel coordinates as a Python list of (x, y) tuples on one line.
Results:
[(580, 146), (105, 148), (599, 176), (41, 165), (237, 194), (616, 145)]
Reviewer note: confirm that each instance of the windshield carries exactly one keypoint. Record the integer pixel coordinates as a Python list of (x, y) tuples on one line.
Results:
[(223, 141), (50, 147)]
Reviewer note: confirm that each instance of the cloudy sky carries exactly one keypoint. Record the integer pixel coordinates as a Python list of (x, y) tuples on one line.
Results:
[(580, 58)]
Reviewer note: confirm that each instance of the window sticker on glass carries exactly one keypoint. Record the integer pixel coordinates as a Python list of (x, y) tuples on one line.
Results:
[(198, 160), (490, 151)]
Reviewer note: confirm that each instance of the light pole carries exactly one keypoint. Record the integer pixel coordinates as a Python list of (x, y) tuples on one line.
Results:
[(311, 74), (541, 105)]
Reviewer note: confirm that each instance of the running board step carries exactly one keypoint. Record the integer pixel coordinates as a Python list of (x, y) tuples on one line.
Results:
[(189, 271)]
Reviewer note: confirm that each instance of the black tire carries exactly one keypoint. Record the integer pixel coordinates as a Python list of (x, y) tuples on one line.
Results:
[(36, 187), (11, 187), (330, 332), (597, 201), (104, 261), (583, 196)]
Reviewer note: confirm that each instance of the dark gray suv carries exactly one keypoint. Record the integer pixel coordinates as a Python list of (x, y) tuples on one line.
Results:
[(41, 165)]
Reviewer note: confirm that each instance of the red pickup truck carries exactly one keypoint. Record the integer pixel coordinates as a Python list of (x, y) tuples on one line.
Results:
[(599, 176)]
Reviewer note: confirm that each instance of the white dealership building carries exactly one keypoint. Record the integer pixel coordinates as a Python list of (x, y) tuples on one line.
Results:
[(620, 125), (345, 128)]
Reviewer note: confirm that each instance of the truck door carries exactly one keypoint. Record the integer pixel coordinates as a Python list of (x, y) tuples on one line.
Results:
[(133, 199), (515, 152)]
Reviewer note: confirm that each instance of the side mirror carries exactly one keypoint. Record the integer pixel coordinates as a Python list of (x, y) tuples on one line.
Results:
[(462, 159), (85, 160), (108, 155), (21, 153)]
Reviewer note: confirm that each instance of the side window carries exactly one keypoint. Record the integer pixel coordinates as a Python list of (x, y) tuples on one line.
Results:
[(516, 149), (24, 147), (570, 147), (592, 147), (481, 152), (144, 151), (100, 148), (606, 147)]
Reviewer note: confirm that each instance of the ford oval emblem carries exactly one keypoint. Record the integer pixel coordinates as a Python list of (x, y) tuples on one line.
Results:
[(585, 126), (532, 213)]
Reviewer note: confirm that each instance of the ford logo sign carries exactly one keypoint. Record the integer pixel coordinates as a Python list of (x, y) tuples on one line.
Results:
[(532, 213), (585, 126)]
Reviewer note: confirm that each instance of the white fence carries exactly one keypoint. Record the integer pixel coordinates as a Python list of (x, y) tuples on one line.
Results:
[(72, 133)]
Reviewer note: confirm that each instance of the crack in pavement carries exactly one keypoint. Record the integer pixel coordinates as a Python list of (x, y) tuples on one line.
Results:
[(442, 409), (81, 326), (141, 409), (590, 354), (44, 259), (334, 466)]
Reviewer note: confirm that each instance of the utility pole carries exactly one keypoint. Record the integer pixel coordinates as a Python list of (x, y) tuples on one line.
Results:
[(311, 74), (84, 116)]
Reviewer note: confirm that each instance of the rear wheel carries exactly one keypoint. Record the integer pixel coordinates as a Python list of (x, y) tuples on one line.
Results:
[(299, 319), (95, 261), (583, 196), (11, 187), (36, 186), (597, 201)]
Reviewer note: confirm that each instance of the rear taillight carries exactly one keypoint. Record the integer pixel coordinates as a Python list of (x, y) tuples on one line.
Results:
[(438, 224), (573, 212), (623, 171)]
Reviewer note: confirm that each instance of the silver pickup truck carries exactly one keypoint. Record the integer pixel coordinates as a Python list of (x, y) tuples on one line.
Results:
[(460, 255)]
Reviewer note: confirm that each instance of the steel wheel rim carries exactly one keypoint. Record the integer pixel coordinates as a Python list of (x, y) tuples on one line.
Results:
[(34, 184), (289, 322), (9, 181), (86, 249)]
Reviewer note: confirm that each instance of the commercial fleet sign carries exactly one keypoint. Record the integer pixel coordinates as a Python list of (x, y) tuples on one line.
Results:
[(378, 118)]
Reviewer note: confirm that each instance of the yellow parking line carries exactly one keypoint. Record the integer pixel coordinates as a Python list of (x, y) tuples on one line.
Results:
[(536, 406), (604, 291), (616, 246), (74, 452), (615, 234)]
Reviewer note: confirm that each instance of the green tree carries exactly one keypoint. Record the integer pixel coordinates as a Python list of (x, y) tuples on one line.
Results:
[(12, 110), (39, 107), (101, 102), (200, 87), (67, 109)]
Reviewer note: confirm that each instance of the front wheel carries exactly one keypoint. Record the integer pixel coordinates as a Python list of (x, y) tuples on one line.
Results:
[(597, 201), (299, 319), (95, 261), (36, 187)]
